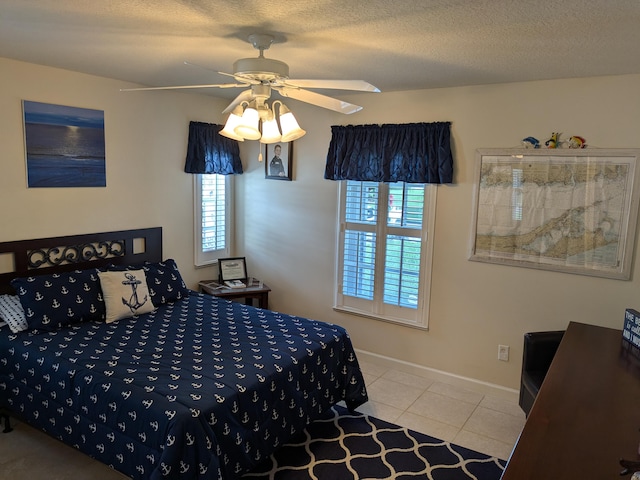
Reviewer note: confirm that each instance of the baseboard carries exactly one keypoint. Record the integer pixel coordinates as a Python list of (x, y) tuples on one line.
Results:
[(472, 384)]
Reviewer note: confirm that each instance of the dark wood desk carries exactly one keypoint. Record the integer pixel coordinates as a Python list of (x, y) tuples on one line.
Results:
[(587, 413), (254, 289)]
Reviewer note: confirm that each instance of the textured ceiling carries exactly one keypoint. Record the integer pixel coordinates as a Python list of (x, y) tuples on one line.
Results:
[(395, 45)]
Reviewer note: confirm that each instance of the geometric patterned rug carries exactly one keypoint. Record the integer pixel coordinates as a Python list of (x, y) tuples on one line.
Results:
[(346, 446)]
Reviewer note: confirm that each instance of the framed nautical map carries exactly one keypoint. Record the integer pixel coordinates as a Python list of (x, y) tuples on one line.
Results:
[(568, 210)]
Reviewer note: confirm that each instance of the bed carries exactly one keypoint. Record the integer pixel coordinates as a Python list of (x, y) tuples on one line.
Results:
[(195, 387)]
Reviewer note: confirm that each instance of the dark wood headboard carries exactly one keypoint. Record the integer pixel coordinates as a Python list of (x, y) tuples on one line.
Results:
[(42, 256)]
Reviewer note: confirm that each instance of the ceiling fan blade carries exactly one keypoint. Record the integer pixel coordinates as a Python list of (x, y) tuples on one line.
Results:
[(181, 87), (202, 67), (318, 100), (244, 96), (359, 85)]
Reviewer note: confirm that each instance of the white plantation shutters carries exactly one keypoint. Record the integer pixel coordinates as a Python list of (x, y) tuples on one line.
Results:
[(384, 250), (214, 160), (212, 231), (213, 212)]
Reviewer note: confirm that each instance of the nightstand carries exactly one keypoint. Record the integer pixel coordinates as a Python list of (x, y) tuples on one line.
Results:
[(255, 289)]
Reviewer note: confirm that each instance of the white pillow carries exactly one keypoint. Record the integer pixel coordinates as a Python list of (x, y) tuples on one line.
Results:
[(11, 311), (125, 294)]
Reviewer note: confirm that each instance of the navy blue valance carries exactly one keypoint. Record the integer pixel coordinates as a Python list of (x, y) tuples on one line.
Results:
[(412, 153), (210, 152)]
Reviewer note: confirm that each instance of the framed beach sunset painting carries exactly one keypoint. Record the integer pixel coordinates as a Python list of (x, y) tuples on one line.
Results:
[(65, 146)]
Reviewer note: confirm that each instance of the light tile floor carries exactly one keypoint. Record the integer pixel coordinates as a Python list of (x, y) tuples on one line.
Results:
[(473, 420)]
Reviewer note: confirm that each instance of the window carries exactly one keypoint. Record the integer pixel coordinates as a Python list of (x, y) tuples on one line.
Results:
[(212, 217), (384, 256)]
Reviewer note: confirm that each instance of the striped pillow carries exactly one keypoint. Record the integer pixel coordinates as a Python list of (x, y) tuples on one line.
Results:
[(11, 312)]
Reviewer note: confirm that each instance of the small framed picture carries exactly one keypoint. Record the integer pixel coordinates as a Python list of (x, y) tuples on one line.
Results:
[(232, 269), (278, 160)]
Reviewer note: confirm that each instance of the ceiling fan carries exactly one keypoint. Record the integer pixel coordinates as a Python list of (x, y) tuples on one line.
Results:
[(264, 76)]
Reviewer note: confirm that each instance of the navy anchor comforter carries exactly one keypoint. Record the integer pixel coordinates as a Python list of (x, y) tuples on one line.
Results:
[(199, 389)]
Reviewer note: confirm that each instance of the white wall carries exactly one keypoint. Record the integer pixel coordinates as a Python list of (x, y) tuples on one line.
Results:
[(287, 230), (146, 138)]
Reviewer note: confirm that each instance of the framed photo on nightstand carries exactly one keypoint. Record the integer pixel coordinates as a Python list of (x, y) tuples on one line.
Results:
[(232, 269)]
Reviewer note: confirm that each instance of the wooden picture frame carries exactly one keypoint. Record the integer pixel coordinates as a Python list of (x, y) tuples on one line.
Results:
[(278, 161), (234, 268), (567, 210)]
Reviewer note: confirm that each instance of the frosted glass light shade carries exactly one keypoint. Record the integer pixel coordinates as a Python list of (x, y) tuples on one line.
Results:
[(248, 127), (290, 129), (270, 131), (232, 122)]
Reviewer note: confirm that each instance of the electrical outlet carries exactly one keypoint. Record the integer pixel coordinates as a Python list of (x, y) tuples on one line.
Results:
[(503, 353)]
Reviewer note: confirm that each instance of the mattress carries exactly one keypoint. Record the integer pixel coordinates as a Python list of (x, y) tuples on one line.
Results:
[(200, 388)]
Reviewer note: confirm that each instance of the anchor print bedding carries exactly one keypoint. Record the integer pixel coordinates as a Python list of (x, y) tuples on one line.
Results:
[(201, 388)]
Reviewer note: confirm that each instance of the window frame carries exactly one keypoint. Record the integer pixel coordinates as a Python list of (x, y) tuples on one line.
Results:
[(376, 308), (202, 258)]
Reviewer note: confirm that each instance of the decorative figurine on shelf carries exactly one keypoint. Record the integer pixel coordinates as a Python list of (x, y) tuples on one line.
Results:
[(530, 142), (554, 141), (577, 142)]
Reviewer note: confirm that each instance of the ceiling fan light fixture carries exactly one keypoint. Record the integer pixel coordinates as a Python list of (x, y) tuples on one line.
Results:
[(270, 131), (249, 125), (233, 121), (258, 122), (290, 129)]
